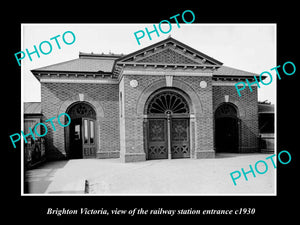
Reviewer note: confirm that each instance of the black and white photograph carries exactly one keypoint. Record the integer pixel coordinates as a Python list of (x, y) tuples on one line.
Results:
[(180, 114)]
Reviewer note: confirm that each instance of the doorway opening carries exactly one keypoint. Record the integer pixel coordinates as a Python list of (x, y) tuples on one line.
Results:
[(168, 123), (80, 135), (226, 128)]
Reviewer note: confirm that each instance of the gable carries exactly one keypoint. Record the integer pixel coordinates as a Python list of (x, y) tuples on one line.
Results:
[(167, 56), (168, 51)]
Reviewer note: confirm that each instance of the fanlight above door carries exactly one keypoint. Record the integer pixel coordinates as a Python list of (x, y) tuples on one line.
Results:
[(168, 102)]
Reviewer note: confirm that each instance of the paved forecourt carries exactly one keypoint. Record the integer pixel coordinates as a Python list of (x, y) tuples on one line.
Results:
[(180, 176)]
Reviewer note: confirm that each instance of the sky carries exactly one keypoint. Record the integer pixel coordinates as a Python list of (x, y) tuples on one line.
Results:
[(249, 47)]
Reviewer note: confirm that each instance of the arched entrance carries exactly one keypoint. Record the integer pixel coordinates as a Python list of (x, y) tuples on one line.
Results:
[(80, 135), (168, 135), (226, 128)]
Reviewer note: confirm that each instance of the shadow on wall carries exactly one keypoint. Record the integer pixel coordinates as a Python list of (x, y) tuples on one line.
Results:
[(52, 152), (248, 138)]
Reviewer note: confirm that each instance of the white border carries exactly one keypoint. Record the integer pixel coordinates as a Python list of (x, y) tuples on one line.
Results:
[(22, 117)]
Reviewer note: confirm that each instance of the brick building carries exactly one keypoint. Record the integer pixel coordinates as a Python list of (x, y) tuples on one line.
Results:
[(167, 100)]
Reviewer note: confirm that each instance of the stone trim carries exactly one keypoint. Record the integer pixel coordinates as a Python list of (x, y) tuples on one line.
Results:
[(133, 157), (108, 154), (79, 81), (75, 98), (228, 83), (204, 154), (241, 113), (164, 73), (193, 98)]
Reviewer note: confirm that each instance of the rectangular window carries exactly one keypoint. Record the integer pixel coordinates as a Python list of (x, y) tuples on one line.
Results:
[(92, 132), (85, 124), (77, 132)]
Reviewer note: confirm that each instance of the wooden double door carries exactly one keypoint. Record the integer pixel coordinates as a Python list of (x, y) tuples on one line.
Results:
[(168, 138), (82, 138)]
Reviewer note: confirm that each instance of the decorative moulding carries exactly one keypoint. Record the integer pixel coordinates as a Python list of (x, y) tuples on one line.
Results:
[(133, 83), (203, 84)]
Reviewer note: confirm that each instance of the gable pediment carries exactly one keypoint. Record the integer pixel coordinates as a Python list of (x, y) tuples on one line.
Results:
[(168, 52), (168, 56)]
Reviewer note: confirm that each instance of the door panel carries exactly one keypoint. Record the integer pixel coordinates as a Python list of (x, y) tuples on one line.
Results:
[(88, 134), (180, 144), (157, 139), (80, 135)]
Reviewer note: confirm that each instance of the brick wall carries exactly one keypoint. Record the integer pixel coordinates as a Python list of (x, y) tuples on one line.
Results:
[(203, 115), (167, 56), (248, 114), (132, 123), (125, 135), (132, 146), (56, 95)]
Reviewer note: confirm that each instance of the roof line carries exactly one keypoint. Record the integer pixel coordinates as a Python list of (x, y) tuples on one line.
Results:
[(43, 68), (166, 40), (101, 55), (242, 71), (99, 72)]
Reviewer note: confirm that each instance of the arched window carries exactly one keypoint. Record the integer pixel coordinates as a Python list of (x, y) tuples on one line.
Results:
[(80, 110), (226, 110), (168, 102)]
